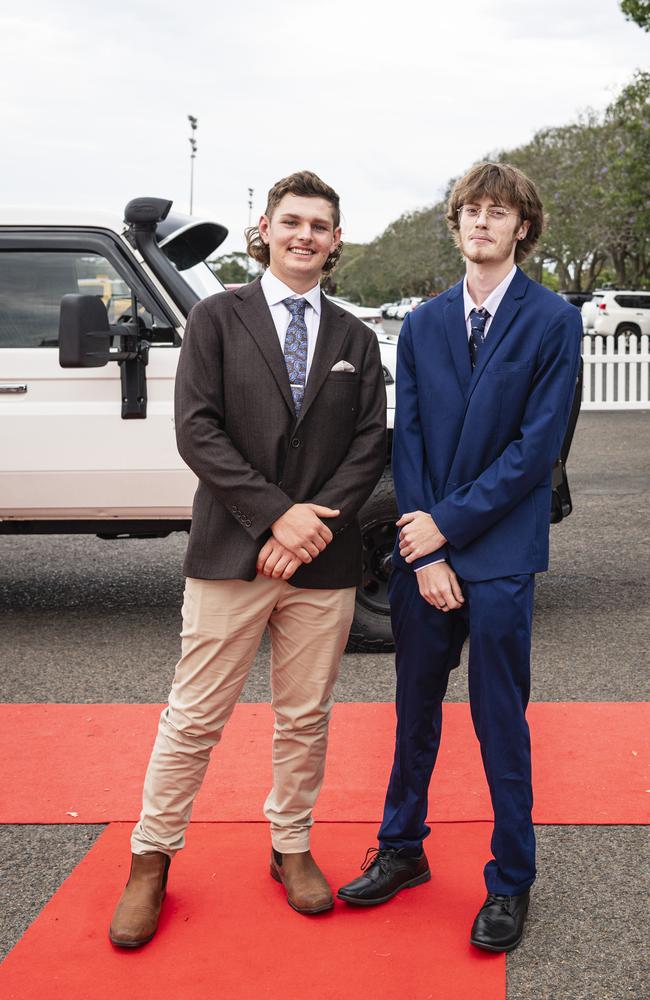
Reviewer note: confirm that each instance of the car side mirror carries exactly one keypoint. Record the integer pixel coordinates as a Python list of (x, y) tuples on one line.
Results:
[(84, 332)]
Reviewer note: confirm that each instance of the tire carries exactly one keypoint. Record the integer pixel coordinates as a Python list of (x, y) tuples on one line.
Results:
[(371, 630), (623, 333)]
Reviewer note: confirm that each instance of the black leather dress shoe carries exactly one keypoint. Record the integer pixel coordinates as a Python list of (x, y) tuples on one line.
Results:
[(499, 924), (386, 871)]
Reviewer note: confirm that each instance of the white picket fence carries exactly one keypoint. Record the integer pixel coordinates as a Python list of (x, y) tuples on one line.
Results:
[(616, 375)]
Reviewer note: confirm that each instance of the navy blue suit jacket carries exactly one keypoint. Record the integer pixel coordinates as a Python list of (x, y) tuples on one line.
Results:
[(475, 449)]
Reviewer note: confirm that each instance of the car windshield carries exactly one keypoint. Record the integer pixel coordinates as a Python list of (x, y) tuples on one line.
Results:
[(201, 279)]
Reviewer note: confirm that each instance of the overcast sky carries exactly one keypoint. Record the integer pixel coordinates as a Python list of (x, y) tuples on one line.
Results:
[(385, 100)]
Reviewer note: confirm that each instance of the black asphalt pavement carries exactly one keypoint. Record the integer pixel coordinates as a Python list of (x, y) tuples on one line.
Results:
[(85, 620)]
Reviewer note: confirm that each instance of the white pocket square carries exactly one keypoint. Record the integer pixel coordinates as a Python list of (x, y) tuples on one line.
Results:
[(343, 366)]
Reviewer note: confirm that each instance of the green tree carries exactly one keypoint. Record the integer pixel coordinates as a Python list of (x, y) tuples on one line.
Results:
[(594, 179), (232, 268), (638, 11), (627, 123), (413, 256), (568, 165)]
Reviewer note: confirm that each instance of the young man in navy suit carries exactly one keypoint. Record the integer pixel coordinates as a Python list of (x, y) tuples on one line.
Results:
[(485, 379)]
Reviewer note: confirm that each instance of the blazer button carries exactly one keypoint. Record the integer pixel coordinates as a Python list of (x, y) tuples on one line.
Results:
[(296, 442), (247, 522), (235, 508)]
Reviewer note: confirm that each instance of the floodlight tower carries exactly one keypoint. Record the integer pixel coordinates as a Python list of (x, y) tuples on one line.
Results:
[(194, 124)]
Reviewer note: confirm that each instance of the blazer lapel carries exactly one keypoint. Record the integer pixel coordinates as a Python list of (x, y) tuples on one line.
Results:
[(331, 334), (456, 331), (500, 325), (252, 309)]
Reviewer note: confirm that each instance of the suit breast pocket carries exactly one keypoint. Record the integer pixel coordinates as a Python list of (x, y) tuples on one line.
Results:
[(351, 378), (509, 367), (339, 396)]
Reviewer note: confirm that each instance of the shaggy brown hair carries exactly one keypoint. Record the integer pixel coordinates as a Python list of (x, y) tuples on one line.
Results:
[(307, 185), (505, 185)]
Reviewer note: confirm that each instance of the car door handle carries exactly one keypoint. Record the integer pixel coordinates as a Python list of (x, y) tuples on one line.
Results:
[(13, 387)]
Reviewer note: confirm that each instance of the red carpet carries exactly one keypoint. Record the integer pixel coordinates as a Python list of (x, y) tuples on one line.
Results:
[(590, 764), (226, 930)]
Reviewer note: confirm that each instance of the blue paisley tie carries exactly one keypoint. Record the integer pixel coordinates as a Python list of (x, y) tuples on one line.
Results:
[(295, 350), (477, 318)]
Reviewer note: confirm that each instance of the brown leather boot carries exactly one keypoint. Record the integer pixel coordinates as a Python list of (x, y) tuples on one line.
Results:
[(306, 886), (136, 916)]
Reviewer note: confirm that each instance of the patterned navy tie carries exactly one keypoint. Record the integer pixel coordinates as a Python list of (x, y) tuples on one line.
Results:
[(295, 350), (477, 318)]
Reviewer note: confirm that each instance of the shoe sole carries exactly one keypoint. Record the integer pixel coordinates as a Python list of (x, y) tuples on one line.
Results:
[(306, 912), (496, 948), (130, 944), (418, 880)]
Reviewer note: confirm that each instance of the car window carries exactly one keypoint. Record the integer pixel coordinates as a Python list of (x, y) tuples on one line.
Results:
[(632, 301), (33, 282)]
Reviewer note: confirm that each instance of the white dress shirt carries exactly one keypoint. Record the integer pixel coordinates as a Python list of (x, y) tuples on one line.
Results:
[(274, 292), (492, 303)]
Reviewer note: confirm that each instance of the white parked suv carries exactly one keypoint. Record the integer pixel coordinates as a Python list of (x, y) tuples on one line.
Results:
[(589, 310), (92, 315), (617, 313)]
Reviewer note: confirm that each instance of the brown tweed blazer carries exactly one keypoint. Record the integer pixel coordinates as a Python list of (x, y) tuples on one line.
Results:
[(236, 429)]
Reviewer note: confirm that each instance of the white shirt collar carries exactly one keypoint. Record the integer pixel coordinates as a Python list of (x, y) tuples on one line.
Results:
[(275, 291), (493, 300)]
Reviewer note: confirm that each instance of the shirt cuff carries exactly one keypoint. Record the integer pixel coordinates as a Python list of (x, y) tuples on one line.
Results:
[(432, 563)]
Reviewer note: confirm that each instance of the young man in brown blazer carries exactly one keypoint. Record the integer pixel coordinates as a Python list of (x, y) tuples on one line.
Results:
[(281, 413)]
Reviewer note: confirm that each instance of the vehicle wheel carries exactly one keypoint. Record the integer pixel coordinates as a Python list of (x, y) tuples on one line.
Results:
[(371, 631), (623, 334)]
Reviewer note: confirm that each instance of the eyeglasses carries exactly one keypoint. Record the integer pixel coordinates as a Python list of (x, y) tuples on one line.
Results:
[(494, 212)]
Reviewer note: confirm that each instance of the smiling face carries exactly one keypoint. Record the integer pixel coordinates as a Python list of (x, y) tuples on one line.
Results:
[(484, 240), (300, 235)]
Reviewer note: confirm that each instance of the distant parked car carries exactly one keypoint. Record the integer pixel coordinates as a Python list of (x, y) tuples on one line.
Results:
[(407, 305), (371, 316), (589, 310), (577, 299), (385, 307), (622, 313)]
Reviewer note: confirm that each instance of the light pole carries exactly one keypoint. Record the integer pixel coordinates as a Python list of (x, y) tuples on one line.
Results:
[(250, 218), (194, 123)]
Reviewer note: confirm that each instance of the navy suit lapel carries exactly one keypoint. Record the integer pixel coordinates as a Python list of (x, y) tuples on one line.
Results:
[(252, 309), (456, 331), (505, 314)]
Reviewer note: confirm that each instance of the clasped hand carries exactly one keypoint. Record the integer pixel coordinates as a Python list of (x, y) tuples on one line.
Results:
[(298, 536), (419, 535)]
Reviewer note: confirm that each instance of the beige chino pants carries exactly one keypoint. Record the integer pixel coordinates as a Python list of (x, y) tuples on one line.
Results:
[(223, 623)]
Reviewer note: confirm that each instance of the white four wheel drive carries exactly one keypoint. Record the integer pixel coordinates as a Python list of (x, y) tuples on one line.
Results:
[(623, 314), (87, 439), (90, 447), (617, 312)]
